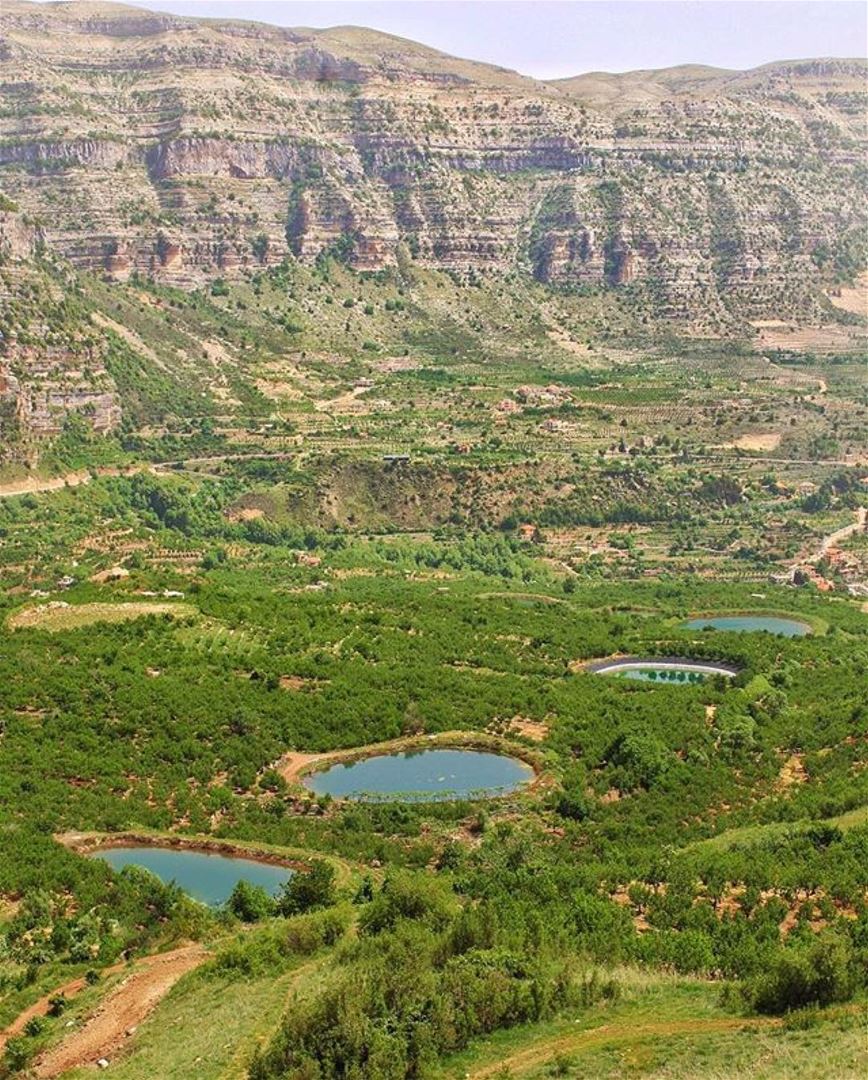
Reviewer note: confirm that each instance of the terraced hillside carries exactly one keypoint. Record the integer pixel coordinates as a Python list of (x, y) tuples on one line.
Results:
[(433, 561)]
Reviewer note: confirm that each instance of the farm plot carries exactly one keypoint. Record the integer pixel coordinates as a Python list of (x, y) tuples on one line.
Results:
[(58, 615)]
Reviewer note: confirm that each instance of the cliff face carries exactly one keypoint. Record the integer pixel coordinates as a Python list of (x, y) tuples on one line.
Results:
[(52, 364), (189, 148)]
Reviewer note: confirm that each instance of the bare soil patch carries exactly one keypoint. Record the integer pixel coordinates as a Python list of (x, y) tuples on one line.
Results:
[(124, 1008), (60, 616), (852, 297), (534, 730), (296, 683), (816, 339), (295, 764), (792, 772), (40, 1007), (33, 485), (278, 389), (769, 440), (245, 513)]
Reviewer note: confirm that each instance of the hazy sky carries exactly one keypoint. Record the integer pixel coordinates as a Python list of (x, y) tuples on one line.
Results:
[(550, 39)]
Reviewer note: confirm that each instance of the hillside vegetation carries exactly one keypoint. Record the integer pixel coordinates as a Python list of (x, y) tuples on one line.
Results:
[(355, 401)]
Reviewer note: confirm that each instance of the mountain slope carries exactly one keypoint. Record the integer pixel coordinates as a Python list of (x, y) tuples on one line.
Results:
[(189, 148)]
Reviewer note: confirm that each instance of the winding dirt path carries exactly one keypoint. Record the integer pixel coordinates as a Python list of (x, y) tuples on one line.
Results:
[(538, 1053), (40, 1007), (832, 540), (125, 1007)]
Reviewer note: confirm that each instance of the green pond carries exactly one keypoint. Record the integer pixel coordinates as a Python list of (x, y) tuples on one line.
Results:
[(422, 775), (665, 672), (206, 876), (772, 624), (660, 675)]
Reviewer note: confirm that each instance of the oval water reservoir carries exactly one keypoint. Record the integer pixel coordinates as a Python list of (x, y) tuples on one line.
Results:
[(671, 671), (771, 624), (421, 776), (205, 875)]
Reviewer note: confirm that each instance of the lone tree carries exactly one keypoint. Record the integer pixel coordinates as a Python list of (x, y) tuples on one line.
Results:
[(307, 891), (249, 903)]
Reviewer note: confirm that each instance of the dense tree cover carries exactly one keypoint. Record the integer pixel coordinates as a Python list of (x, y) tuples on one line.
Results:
[(176, 724)]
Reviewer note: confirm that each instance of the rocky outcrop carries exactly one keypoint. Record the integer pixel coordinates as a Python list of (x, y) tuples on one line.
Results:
[(42, 385), (231, 145), (52, 367)]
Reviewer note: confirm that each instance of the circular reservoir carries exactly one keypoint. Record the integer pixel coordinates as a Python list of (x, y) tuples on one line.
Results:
[(422, 776), (207, 876), (663, 670), (771, 624)]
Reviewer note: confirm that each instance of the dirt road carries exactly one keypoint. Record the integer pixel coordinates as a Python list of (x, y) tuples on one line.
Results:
[(125, 1007), (835, 538), (40, 1008), (32, 485), (832, 540)]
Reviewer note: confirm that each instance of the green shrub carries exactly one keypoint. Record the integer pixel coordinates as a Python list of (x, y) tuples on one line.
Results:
[(820, 973), (57, 1005), (249, 903), (309, 890), (34, 1026)]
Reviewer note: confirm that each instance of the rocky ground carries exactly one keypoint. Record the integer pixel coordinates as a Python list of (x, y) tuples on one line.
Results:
[(189, 149)]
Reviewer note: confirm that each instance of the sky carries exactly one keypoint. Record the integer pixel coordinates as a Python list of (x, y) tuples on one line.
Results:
[(551, 39)]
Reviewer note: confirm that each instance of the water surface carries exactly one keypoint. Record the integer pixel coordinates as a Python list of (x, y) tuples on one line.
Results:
[(664, 671), (205, 875), (671, 676), (420, 775), (772, 624)]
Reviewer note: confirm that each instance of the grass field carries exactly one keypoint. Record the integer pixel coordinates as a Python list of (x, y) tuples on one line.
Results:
[(754, 834), (74, 616), (207, 1028), (674, 1029), (763, 1052)]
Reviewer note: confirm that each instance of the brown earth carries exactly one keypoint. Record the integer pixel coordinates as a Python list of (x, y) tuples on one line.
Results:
[(853, 297), (535, 730), (792, 772), (40, 1007), (126, 1006), (47, 617), (32, 485), (769, 440)]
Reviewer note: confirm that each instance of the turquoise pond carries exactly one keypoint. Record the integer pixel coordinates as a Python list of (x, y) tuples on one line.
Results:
[(772, 624), (206, 876), (422, 775)]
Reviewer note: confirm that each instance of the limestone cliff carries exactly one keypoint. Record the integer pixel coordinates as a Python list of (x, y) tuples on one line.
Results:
[(189, 148)]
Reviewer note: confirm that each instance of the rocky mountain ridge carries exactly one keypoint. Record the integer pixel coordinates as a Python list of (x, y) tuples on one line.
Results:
[(189, 148)]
